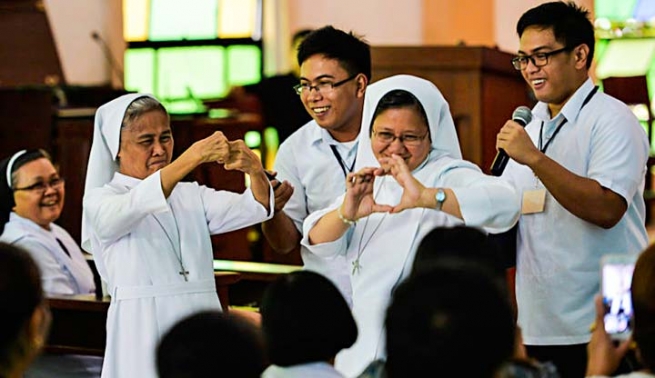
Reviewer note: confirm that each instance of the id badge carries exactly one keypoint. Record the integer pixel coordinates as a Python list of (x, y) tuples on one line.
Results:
[(534, 201)]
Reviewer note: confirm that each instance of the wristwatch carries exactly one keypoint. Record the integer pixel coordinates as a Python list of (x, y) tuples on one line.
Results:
[(441, 197)]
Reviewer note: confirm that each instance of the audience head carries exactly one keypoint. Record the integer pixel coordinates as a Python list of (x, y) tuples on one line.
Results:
[(569, 24), (458, 245), (211, 343), (31, 187), (643, 300), (25, 315), (446, 321), (305, 319)]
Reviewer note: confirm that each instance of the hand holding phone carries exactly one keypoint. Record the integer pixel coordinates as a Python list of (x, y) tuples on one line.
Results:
[(616, 279)]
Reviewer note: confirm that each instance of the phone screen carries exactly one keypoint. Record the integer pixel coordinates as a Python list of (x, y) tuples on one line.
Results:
[(616, 281)]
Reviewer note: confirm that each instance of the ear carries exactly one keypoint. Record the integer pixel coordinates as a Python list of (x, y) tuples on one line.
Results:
[(362, 83), (581, 54), (38, 326)]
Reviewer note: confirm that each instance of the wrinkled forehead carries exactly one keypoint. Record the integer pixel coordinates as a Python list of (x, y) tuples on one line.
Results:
[(151, 121)]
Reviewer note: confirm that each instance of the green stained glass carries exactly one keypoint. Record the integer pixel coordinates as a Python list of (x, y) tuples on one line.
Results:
[(138, 70), (172, 20), (615, 10), (191, 72), (243, 64), (253, 139), (626, 57)]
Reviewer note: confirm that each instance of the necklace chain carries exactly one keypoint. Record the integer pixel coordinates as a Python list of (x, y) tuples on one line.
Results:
[(183, 271), (360, 250)]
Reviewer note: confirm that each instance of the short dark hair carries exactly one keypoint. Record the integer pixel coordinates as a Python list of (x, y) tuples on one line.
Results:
[(397, 99), (458, 244), (207, 342), (305, 319), (300, 35), (447, 320), (569, 22), (20, 295), (352, 52)]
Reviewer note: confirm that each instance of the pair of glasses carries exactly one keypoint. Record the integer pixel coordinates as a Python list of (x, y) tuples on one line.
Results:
[(322, 87), (409, 140), (41, 187), (539, 59)]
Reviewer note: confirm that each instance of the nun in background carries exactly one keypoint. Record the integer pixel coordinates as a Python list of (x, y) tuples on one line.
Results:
[(32, 197)]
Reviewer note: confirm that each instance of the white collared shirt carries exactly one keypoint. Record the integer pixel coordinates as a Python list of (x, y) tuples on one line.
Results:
[(558, 260)]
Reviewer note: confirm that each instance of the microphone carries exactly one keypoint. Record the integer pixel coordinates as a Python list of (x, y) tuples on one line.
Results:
[(110, 58), (522, 115)]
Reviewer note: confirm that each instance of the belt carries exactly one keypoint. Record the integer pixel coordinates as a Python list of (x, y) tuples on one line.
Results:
[(151, 291)]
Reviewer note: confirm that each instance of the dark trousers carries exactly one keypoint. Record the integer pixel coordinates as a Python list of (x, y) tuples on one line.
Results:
[(570, 360)]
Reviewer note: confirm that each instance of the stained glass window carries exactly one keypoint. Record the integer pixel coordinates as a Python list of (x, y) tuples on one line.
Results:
[(186, 51)]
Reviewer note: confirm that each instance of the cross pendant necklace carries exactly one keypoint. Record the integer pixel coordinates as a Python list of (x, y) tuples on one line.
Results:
[(357, 267), (183, 272)]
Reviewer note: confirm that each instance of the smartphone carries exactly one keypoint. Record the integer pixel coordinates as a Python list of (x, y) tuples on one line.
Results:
[(616, 279)]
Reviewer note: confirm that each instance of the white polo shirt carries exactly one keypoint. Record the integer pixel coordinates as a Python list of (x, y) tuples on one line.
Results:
[(558, 254)]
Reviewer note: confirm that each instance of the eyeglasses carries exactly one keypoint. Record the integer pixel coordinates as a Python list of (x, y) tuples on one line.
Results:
[(539, 59), (323, 86), (409, 140), (41, 187)]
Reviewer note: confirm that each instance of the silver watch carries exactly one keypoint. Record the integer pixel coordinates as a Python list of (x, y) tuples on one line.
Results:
[(441, 197)]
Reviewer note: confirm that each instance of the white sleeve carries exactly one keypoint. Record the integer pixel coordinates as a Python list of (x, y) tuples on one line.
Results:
[(325, 250), (227, 211), (484, 201), (113, 214), (287, 169)]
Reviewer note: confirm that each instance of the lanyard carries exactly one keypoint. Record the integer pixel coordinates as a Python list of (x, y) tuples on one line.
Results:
[(541, 130), (342, 163)]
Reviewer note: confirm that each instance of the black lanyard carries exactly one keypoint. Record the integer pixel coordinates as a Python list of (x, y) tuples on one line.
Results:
[(541, 130), (341, 162)]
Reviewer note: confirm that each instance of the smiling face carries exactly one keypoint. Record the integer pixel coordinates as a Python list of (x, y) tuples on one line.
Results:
[(41, 207), (405, 121), (338, 110), (558, 80), (146, 145)]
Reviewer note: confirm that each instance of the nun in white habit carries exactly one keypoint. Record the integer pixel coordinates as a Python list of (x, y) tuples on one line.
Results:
[(409, 179), (149, 233)]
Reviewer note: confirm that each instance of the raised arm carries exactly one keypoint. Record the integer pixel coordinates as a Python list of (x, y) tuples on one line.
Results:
[(280, 231), (241, 158), (358, 202), (214, 148)]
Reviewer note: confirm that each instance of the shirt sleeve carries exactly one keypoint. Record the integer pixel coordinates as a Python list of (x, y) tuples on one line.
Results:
[(484, 201), (327, 250), (114, 214), (619, 153), (228, 211), (287, 169)]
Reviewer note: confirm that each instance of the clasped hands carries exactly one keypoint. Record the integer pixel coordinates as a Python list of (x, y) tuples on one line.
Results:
[(360, 202), (234, 155)]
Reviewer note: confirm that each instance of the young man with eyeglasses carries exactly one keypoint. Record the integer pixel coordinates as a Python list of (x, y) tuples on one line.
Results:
[(311, 165), (580, 165)]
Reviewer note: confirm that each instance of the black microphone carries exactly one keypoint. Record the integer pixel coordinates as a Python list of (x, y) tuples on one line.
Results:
[(522, 115), (115, 67)]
